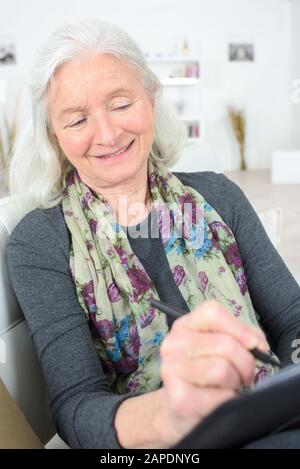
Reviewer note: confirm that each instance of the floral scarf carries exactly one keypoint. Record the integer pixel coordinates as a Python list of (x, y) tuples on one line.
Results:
[(114, 289)]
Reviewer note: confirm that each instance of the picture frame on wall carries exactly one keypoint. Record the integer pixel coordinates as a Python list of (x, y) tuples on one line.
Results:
[(241, 52), (7, 51)]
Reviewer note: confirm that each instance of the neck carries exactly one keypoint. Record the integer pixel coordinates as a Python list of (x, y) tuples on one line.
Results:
[(131, 203)]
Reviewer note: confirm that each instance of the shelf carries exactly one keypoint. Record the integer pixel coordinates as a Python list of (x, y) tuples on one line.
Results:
[(180, 81), (192, 140), (170, 60), (175, 73), (190, 118)]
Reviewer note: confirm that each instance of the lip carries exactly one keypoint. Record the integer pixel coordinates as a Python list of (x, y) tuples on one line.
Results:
[(118, 157)]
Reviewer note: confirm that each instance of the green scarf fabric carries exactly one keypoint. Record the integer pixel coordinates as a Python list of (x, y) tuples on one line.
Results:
[(113, 287)]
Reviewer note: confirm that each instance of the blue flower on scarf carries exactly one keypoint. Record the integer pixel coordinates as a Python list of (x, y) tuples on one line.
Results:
[(207, 244), (116, 227), (197, 236), (123, 331), (207, 207), (181, 246), (158, 338), (171, 242), (115, 353), (204, 248)]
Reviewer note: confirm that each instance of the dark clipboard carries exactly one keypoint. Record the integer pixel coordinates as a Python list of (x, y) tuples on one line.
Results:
[(272, 406)]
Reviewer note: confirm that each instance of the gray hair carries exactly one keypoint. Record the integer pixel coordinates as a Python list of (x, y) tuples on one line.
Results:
[(38, 166)]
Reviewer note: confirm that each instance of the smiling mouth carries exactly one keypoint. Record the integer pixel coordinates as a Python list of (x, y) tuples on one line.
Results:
[(117, 153)]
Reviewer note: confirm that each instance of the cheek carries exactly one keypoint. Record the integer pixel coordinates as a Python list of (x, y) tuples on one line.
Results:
[(142, 124), (74, 145)]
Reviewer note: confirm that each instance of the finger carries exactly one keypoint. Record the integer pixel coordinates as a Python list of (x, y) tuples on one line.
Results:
[(204, 372), (191, 402), (211, 316), (263, 343), (191, 346)]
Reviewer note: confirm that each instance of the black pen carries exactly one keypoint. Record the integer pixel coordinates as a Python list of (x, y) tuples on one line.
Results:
[(175, 313)]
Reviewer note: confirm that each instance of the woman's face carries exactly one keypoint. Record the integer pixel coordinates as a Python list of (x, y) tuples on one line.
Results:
[(103, 120)]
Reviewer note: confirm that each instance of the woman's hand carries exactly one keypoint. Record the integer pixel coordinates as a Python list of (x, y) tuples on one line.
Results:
[(205, 360)]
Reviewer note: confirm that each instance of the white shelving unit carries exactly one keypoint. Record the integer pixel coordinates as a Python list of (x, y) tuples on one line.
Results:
[(179, 81), (180, 77)]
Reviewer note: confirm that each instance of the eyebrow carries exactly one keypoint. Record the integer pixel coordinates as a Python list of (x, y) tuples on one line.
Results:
[(70, 110), (81, 109)]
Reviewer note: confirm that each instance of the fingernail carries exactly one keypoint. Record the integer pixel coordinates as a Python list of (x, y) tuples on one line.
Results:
[(251, 342)]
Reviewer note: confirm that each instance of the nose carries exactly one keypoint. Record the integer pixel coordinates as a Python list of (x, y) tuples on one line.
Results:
[(107, 131)]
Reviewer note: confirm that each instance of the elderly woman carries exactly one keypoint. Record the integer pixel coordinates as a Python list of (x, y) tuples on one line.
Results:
[(104, 235)]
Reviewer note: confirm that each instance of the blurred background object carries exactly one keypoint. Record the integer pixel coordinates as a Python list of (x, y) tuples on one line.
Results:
[(238, 123)]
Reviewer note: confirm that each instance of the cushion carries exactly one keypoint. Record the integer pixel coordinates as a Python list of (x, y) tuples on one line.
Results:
[(271, 220)]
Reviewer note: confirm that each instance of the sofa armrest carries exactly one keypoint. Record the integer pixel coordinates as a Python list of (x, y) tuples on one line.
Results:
[(15, 431)]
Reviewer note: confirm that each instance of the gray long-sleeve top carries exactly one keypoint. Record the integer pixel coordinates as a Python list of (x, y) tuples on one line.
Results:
[(38, 259)]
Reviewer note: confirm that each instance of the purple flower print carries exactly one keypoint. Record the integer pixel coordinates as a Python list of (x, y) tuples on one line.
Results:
[(147, 318), (126, 365), (89, 245), (163, 182), (178, 274), (192, 215), (237, 310), (139, 280), (232, 255), (113, 293), (165, 221), (68, 213), (93, 225), (261, 374), (132, 385), (203, 280), (134, 345), (70, 179), (242, 283), (85, 200), (217, 226), (221, 270), (122, 255), (133, 297), (215, 244), (89, 296), (105, 328), (152, 180), (188, 199)]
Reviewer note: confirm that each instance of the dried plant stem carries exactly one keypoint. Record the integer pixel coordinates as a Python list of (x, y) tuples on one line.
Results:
[(238, 123)]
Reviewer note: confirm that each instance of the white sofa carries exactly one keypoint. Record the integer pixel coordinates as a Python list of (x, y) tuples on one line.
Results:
[(19, 367)]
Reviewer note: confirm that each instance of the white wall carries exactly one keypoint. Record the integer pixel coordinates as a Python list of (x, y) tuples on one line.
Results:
[(296, 71), (263, 88)]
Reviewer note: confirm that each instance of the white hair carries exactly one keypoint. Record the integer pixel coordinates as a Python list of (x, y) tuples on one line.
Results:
[(38, 165)]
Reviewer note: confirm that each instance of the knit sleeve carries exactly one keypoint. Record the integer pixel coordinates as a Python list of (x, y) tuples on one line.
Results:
[(83, 407), (274, 292)]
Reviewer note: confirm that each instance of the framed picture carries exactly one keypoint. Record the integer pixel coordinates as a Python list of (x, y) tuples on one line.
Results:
[(241, 52), (7, 51)]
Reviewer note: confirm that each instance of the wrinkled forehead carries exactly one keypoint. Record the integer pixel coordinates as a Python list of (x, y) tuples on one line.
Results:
[(89, 82), (103, 72)]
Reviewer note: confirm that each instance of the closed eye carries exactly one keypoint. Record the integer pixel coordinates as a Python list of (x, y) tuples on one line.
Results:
[(123, 107), (77, 123)]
